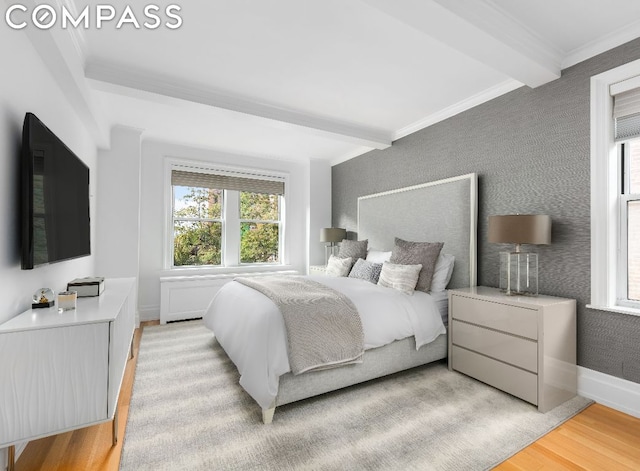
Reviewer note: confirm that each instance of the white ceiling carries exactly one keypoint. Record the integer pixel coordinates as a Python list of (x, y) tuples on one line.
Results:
[(332, 79)]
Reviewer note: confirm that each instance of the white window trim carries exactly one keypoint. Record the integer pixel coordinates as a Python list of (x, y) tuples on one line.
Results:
[(172, 163), (605, 191)]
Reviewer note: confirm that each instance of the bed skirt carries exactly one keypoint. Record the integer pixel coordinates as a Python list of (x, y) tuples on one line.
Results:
[(377, 362)]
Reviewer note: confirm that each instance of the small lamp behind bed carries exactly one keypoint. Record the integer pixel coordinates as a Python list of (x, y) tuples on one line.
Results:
[(332, 235)]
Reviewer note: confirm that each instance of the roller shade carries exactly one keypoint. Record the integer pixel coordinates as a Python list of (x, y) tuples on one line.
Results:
[(626, 114), (226, 182)]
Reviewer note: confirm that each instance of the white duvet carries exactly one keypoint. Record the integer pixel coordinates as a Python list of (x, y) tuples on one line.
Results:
[(250, 328)]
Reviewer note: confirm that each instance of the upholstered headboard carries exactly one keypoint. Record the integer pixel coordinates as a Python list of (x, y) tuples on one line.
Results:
[(440, 211)]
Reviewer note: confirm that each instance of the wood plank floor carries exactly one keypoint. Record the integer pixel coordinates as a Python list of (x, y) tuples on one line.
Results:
[(599, 438)]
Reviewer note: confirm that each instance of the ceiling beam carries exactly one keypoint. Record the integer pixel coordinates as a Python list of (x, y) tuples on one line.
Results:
[(147, 86), (62, 53), (481, 31)]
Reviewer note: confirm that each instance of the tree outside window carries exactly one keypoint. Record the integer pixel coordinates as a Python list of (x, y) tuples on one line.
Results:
[(259, 228), (197, 217)]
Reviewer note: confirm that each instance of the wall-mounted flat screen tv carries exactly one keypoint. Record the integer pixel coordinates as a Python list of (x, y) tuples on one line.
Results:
[(55, 198)]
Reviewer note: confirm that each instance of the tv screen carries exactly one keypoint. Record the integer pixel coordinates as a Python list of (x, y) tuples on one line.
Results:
[(55, 198)]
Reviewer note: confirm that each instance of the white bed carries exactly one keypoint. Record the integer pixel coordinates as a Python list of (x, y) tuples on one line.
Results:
[(400, 331)]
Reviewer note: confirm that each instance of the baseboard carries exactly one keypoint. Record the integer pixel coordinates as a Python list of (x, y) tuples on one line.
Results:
[(617, 393), (149, 313)]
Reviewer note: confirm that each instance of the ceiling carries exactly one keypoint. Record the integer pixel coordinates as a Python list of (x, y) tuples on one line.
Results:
[(330, 79)]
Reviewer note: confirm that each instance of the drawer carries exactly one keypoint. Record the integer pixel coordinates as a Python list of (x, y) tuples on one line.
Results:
[(508, 378), (514, 350), (512, 319)]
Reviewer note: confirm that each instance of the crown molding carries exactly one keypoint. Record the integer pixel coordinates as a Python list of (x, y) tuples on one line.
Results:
[(464, 105), (163, 87), (602, 44), (350, 155)]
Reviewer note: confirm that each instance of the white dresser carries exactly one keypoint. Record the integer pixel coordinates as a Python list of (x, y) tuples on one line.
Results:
[(523, 345), (63, 371)]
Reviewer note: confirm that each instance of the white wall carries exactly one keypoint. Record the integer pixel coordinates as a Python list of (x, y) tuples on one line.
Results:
[(119, 205), (26, 85), (152, 212), (319, 208)]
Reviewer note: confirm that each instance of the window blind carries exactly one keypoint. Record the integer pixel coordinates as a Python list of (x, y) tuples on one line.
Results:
[(626, 114), (226, 182)]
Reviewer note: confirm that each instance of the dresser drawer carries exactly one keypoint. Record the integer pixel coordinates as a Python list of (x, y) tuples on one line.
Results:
[(512, 319), (514, 350), (510, 379)]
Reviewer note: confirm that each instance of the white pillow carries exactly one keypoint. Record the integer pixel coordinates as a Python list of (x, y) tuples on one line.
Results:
[(377, 256), (339, 266), (400, 277), (443, 272)]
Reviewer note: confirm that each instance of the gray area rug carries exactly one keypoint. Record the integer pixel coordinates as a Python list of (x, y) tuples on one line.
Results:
[(188, 412)]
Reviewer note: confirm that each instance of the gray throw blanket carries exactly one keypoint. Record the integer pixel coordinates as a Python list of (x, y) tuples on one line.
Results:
[(323, 326)]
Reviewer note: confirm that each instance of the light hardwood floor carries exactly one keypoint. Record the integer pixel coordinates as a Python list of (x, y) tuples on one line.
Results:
[(598, 439)]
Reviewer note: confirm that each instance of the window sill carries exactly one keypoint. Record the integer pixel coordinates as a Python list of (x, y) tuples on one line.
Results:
[(617, 309), (223, 272)]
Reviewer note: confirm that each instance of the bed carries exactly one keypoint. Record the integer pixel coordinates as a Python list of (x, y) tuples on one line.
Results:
[(249, 327)]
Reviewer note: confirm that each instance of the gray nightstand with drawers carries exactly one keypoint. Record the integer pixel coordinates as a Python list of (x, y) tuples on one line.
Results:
[(523, 345)]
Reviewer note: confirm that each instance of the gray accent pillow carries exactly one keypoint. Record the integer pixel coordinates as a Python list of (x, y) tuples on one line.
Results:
[(353, 248), (400, 277), (366, 271), (413, 253)]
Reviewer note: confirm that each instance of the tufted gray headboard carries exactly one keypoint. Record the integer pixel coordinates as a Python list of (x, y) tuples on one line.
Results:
[(440, 211)]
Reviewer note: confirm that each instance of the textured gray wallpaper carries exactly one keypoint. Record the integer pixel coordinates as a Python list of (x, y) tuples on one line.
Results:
[(530, 149)]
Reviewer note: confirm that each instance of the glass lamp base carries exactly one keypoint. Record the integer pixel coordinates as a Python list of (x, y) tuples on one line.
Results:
[(519, 273), (330, 249)]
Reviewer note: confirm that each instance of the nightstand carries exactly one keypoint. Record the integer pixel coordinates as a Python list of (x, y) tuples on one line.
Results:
[(318, 270), (523, 345)]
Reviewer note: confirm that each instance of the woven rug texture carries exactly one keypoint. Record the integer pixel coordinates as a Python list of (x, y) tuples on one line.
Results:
[(188, 412)]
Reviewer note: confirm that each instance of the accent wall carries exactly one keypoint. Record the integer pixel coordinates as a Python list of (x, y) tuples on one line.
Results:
[(531, 150)]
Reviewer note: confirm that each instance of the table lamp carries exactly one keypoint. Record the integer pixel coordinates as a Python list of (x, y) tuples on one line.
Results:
[(518, 269), (332, 235)]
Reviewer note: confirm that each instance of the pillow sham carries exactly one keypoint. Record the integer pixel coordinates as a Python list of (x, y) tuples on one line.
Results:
[(400, 277), (412, 253), (366, 270), (353, 248), (442, 273), (377, 256), (338, 266)]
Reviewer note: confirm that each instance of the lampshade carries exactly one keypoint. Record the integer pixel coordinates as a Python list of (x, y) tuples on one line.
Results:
[(332, 234), (520, 229)]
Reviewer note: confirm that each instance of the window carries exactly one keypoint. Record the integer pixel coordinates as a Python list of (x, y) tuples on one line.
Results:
[(222, 218), (629, 286), (615, 190)]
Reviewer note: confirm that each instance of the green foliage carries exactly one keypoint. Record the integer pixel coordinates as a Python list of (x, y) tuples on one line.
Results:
[(258, 243), (197, 243), (259, 206)]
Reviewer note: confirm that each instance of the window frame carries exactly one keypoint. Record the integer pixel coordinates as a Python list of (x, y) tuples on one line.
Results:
[(279, 222), (230, 257), (625, 197), (221, 220), (607, 242)]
